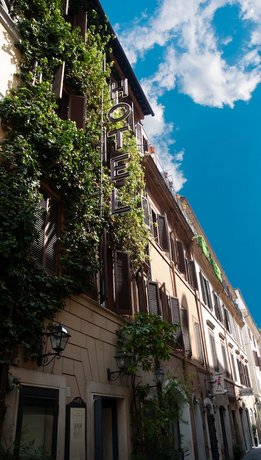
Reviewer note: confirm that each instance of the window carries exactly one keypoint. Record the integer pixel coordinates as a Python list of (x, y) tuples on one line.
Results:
[(37, 419), (45, 248), (205, 290)]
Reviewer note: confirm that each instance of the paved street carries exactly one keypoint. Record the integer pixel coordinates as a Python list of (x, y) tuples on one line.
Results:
[(254, 454)]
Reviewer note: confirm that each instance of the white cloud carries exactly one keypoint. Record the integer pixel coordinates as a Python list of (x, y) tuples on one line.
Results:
[(192, 62)]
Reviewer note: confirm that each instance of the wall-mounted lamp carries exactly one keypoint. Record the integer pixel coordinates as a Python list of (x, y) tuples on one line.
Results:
[(59, 337), (123, 360), (159, 375)]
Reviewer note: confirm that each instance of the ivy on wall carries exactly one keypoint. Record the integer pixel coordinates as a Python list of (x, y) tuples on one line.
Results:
[(41, 148)]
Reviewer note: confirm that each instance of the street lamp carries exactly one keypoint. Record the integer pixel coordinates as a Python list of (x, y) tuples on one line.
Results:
[(123, 360), (59, 337)]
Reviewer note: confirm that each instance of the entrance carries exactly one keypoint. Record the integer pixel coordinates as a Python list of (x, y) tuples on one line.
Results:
[(105, 428), (212, 434), (222, 414)]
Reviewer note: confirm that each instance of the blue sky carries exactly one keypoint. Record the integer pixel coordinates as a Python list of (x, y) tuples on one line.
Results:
[(199, 62)]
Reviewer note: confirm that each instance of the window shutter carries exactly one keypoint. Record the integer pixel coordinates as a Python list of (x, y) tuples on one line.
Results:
[(146, 210), (163, 232), (199, 343), (108, 274), (209, 300), (174, 251), (185, 330), (80, 20), (58, 81), (77, 110), (259, 362), (214, 353), (142, 298), (38, 244), (164, 303), (122, 283), (154, 226), (193, 275), (203, 288), (181, 257), (255, 358), (153, 297), (51, 236), (175, 316), (217, 307), (66, 6), (227, 323)]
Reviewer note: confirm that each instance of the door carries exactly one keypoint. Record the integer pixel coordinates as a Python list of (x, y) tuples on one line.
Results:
[(105, 428)]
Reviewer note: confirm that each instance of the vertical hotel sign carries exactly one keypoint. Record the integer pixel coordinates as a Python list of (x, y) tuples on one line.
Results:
[(121, 112)]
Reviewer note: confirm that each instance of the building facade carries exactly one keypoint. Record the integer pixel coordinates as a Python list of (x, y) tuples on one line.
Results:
[(71, 406)]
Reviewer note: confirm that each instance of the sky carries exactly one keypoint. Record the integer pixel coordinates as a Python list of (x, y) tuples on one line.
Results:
[(199, 63)]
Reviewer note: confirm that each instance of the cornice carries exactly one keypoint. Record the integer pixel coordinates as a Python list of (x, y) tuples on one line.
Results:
[(9, 24)]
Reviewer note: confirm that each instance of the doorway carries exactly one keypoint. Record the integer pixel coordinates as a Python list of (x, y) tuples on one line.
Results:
[(105, 428)]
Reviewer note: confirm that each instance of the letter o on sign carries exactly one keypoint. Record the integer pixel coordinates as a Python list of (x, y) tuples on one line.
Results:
[(126, 109)]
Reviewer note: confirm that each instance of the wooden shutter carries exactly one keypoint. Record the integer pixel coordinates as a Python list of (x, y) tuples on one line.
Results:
[(163, 232), (181, 257), (122, 283), (164, 303), (175, 316), (58, 81), (255, 358), (38, 244), (153, 297), (214, 352), (199, 342), (174, 251), (142, 298), (185, 330), (66, 4), (146, 211), (77, 111), (217, 307), (192, 274), (209, 300), (51, 236), (203, 287), (80, 20), (227, 323)]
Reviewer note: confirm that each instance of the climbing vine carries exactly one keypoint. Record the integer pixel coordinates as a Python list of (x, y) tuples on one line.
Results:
[(42, 149), (147, 340)]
